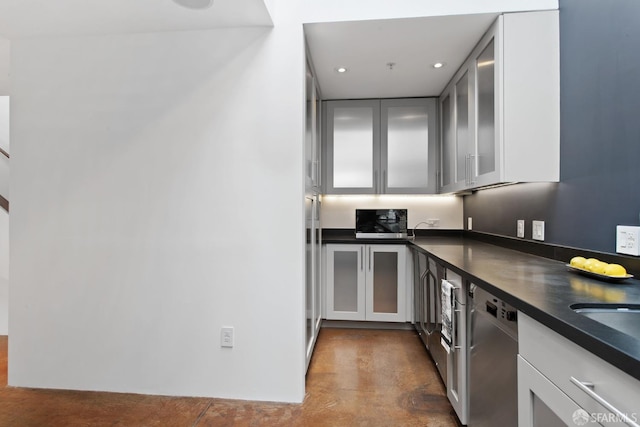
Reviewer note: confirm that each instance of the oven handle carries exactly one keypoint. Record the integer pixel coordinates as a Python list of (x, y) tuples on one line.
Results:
[(454, 310), (430, 297), (454, 336)]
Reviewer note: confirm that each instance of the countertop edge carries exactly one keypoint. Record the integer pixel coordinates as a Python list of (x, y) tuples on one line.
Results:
[(614, 355)]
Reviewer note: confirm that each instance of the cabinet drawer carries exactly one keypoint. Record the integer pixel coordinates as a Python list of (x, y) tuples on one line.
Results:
[(540, 402), (566, 364)]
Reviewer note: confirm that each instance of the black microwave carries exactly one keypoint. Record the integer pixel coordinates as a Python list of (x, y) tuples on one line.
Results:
[(381, 224)]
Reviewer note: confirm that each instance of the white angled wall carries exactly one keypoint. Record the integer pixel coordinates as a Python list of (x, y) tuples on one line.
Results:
[(4, 184), (5, 49), (4, 272), (156, 197), (351, 10), (4, 144)]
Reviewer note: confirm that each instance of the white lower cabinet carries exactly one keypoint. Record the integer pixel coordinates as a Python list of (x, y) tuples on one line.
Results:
[(541, 403), (366, 282), (562, 384)]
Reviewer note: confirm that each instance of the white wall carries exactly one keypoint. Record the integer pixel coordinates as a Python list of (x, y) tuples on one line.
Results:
[(5, 49), (156, 197), (4, 272), (4, 144), (339, 211), (4, 184), (4, 123)]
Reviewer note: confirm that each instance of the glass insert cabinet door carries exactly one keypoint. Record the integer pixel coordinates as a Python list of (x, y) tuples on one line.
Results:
[(463, 134), (381, 146), (345, 282), (385, 283), (353, 140), (312, 267), (448, 142), (408, 145), (486, 115), (366, 282)]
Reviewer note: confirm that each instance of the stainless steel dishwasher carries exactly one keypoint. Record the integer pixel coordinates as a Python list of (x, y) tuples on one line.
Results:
[(493, 389)]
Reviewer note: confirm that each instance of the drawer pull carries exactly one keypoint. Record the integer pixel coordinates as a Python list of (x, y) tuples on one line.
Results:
[(587, 388)]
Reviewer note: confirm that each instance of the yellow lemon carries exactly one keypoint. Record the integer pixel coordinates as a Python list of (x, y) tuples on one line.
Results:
[(615, 270), (577, 262), (599, 267), (588, 264)]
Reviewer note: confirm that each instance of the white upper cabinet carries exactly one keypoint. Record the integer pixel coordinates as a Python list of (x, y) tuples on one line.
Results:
[(312, 141), (500, 114), (381, 146), (352, 147), (408, 138)]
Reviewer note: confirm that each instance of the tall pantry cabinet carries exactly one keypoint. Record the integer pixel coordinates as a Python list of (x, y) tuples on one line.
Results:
[(313, 232)]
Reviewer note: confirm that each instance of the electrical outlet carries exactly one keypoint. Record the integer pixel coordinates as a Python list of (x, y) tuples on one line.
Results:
[(226, 336), (469, 223), (432, 223), (538, 230), (520, 228), (628, 240)]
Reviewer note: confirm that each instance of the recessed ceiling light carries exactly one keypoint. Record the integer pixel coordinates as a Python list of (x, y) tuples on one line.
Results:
[(438, 65), (341, 70), (195, 4)]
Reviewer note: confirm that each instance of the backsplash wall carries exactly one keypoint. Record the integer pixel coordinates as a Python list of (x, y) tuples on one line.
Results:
[(339, 211), (599, 136)]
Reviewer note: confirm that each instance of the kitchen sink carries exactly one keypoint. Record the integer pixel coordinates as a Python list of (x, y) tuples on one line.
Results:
[(621, 317)]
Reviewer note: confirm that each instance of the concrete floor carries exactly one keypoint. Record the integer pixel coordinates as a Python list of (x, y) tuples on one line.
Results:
[(357, 377)]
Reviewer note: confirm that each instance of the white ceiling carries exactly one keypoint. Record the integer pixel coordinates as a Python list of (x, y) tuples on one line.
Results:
[(365, 48), (34, 18)]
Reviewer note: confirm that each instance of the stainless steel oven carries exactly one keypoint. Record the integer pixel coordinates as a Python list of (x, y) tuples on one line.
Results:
[(456, 342), (428, 275)]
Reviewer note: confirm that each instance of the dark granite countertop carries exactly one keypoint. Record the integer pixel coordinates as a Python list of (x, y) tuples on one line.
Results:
[(544, 289)]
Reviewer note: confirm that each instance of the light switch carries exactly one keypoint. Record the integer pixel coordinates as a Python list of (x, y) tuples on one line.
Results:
[(538, 230), (520, 228), (628, 240), (226, 336)]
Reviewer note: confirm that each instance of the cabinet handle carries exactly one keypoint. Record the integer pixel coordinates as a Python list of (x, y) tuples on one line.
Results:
[(375, 182), (384, 181), (369, 258), (454, 336), (431, 326), (471, 169), (587, 388), (361, 258), (466, 169)]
